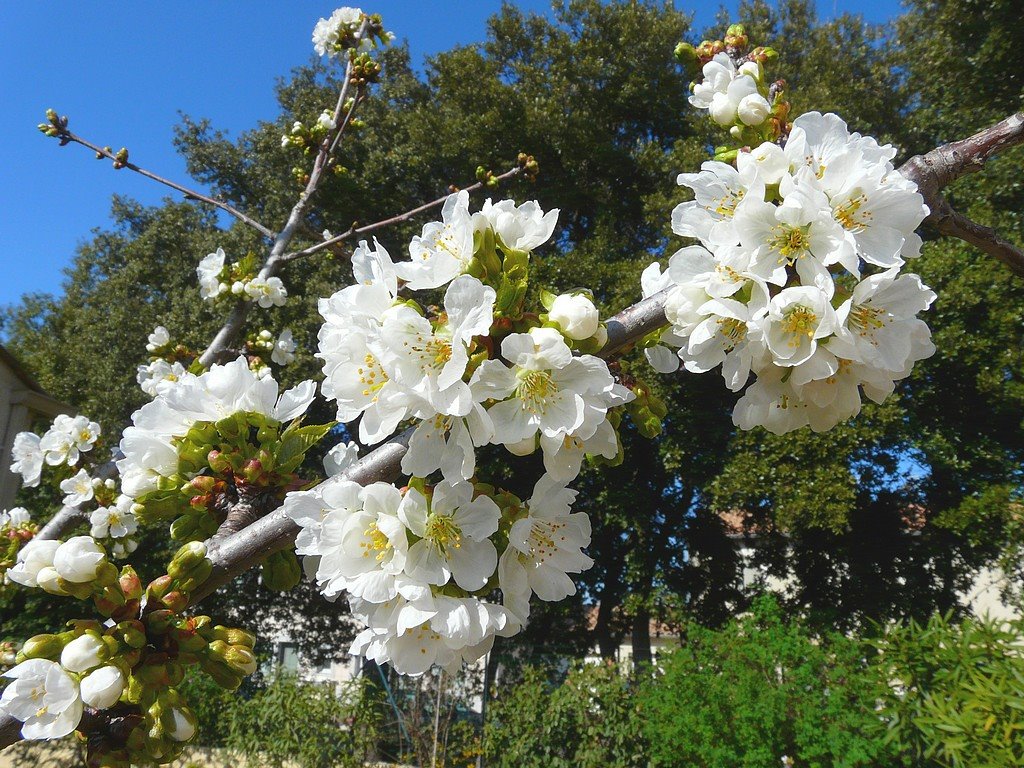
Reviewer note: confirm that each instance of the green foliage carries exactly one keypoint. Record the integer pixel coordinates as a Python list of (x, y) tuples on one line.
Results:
[(761, 689), (590, 720), (957, 699), (305, 724)]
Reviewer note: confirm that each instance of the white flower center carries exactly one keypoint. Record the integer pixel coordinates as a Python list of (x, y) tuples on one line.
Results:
[(442, 532), (534, 389), (799, 321)]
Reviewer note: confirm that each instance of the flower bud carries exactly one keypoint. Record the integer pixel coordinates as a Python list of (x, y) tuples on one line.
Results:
[(175, 601), (79, 559), (101, 689), (187, 558), (576, 315), (49, 581), (130, 583), (42, 647), (753, 109), (240, 659), (181, 725), (83, 653), (722, 109)]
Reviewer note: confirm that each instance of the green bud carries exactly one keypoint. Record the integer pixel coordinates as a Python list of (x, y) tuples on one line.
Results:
[(281, 571), (187, 558), (41, 647), (240, 659), (196, 576)]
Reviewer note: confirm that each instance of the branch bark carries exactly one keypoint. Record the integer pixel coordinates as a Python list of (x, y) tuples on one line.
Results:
[(937, 169)]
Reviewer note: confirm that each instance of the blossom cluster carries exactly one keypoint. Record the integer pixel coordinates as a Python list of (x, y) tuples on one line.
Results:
[(168, 444), (216, 278), (113, 519), (478, 370), (162, 370), (348, 29), (16, 530), (62, 444), (798, 277), (133, 660), (280, 350)]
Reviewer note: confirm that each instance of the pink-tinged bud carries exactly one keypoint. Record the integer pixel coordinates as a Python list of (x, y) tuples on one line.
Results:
[(203, 484), (175, 601), (131, 584), (158, 622), (159, 586)]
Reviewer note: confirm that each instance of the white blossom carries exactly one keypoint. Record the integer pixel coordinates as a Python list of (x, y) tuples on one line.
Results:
[(443, 250), (544, 547), (28, 458), (341, 457), (209, 271), (267, 292), (36, 555), (159, 375), (44, 697), (453, 530), (284, 348), (340, 30), (519, 228), (158, 339), (15, 517), (116, 521), (79, 489), (430, 362)]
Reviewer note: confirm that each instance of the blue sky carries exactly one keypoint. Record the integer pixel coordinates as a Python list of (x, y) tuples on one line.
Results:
[(122, 72)]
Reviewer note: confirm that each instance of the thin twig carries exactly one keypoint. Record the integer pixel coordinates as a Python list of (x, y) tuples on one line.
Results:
[(355, 231), (67, 136)]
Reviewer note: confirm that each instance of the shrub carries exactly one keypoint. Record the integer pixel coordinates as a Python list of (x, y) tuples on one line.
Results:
[(958, 693), (760, 690), (590, 720), (305, 724)]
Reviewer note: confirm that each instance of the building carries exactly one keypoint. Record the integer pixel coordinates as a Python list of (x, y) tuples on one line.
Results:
[(22, 403)]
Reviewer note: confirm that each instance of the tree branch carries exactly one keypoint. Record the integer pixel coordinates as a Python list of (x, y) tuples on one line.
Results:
[(355, 231), (67, 136), (937, 169)]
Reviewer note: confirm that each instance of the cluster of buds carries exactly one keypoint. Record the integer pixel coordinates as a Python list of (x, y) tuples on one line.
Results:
[(308, 138), (125, 672), (219, 464), (647, 410), (365, 70), (734, 89), (487, 177), (261, 346), (16, 530), (56, 126), (528, 166)]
